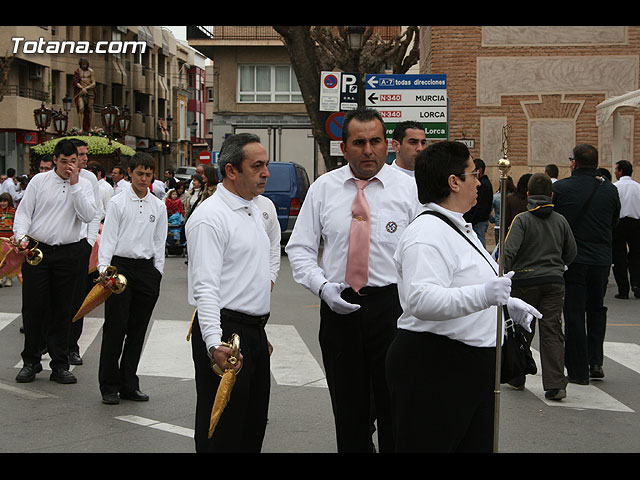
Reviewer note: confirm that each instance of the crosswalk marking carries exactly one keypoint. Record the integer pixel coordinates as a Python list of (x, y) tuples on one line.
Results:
[(165, 427), (291, 362), (578, 396), (29, 394), (167, 353)]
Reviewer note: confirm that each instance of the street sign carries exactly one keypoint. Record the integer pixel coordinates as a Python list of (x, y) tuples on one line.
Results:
[(205, 157), (421, 98), (339, 91), (349, 91), (333, 125)]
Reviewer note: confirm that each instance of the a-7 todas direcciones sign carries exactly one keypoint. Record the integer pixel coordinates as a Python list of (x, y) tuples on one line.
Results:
[(421, 98)]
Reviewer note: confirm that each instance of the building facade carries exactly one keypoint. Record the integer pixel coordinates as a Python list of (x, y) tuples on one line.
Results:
[(143, 69), (545, 82)]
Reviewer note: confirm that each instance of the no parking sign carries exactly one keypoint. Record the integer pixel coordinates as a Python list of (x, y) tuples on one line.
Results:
[(334, 124)]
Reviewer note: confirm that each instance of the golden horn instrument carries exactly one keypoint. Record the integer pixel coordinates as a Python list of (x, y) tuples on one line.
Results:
[(504, 165), (109, 281), (234, 345), (114, 281), (34, 255), (228, 380)]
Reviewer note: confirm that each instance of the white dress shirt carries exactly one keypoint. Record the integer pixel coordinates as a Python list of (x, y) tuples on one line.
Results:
[(120, 185), (441, 280), (394, 164), (53, 211), (106, 192), (326, 214), (134, 228), (93, 227), (629, 191), (269, 216), (228, 261), (8, 186)]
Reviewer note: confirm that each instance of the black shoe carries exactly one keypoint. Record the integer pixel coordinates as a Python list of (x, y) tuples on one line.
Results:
[(136, 396), (110, 398), (75, 358), (595, 371), (621, 296), (63, 376), (579, 381), (636, 291), (28, 373), (555, 394)]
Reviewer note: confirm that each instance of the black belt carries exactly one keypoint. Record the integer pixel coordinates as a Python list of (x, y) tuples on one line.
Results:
[(132, 260), (45, 247), (244, 318), (365, 291)]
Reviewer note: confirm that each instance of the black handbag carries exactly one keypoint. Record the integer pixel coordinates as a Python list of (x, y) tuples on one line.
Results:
[(517, 359)]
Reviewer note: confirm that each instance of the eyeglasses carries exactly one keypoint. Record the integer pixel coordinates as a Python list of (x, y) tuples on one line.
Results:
[(474, 173)]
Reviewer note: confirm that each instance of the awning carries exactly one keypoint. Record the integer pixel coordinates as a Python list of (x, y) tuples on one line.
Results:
[(605, 109)]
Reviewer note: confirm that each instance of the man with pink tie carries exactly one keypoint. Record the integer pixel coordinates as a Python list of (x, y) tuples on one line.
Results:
[(359, 211)]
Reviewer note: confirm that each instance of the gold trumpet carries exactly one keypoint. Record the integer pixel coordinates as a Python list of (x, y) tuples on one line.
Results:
[(234, 345), (116, 282), (34, 255)]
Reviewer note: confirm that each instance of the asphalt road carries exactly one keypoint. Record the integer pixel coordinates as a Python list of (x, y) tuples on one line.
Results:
[(45, 417)]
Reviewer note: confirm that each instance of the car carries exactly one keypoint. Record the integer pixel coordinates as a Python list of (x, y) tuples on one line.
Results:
[(287, 187), (185, 173)]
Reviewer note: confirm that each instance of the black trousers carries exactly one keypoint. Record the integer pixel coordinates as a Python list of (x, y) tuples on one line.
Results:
[(83, 287), (442, 394), (626, 254), (354, 348), (126, 318), (47, 303), (243, 422), (585, 317)]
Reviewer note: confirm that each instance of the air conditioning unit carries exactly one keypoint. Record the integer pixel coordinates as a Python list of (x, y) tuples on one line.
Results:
[(35, 71)]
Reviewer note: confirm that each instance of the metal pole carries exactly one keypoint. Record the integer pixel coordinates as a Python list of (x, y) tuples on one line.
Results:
[(504, 165)]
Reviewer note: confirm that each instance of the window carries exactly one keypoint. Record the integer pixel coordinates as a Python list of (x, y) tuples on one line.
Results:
[(268, 84)]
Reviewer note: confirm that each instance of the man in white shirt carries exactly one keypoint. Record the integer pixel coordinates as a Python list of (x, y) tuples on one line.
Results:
[(84, 283), (408, 141), (10, 185), (54, 210), (626, 235), (118, 174), (230, 284), (133, 239), (357, 323)]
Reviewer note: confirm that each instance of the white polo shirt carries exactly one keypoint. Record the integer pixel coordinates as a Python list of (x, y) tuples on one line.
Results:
[(53, 211), (229, 261), (134, 228)]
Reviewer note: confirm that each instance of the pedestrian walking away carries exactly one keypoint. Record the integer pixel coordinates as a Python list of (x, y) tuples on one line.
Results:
[(592, 207)]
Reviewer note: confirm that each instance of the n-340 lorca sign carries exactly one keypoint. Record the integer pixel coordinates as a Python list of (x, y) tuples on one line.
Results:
[(421, 98)]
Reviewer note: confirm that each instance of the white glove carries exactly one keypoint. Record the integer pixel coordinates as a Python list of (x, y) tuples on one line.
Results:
[(330, 293), (522, 313), (498, 289)]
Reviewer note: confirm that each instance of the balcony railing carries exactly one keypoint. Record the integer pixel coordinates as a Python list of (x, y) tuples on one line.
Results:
[(26, 92)]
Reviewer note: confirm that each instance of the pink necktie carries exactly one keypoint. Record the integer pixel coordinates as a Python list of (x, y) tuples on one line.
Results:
[(358, 256)]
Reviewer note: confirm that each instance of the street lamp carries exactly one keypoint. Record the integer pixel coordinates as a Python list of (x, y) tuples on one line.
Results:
[(354, 37), (42, 117), (124, 121), (109, 116), (60, 121), (66, 103)]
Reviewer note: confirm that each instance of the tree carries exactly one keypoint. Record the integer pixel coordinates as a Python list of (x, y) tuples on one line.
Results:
[(314, 49)]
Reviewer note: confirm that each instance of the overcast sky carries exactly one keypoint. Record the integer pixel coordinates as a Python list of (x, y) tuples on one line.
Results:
[(179, 32)]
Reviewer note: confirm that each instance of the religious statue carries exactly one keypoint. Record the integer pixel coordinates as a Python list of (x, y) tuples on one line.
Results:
[(84, 87)]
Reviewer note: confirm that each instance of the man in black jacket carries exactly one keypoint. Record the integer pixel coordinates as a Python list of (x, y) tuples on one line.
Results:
[(592, 208), (478, 216)]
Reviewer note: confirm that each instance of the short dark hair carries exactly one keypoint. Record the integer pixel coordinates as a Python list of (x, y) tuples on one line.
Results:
[(79, 143), (480, 165), (625, 167), (361, 114), (435, 165), (11, 172), (143, 160), (401, 129), (552, 170), (540, 184), (65, 147), (586, 156), (120, 168)]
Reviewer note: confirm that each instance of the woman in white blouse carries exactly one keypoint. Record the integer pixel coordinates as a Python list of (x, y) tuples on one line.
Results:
[(194, 195), (441, 365)]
